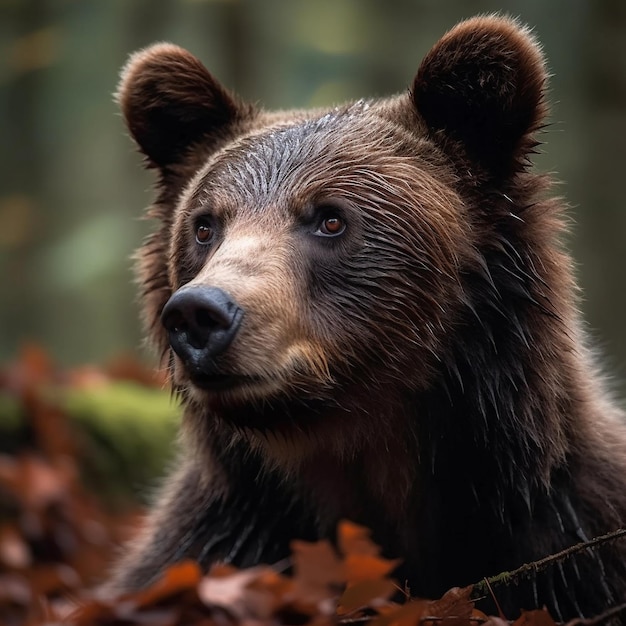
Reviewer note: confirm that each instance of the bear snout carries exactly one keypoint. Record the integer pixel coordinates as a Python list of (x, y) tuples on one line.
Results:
[(201, 323)]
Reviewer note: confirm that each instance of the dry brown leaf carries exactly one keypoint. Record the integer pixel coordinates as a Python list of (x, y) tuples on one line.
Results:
[(14, 589), (226, 587), (408, 614), (361, 567), (455, 603), (539, 617), (87, 613), (176, 579), (35, 365), (8, 473), (479, 617), (34, 481), (270, 592), (48, 579), (367, 593), (152, 617), (121, 612), (40, 483), (495, 621), (454, 607), (14, 551), (86, 377), (222, 570), (355, 539), (256, 594), (319, 574), (128, 367)]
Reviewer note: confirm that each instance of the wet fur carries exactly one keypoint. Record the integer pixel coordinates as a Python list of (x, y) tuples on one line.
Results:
[(437, 389)]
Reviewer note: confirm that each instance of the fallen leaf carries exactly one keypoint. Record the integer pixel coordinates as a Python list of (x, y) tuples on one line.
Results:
[(269, 592), (86, 377), (361, 567), (539, 617), (319, 574), (256, 594), (49, 579), (355, 539), (455, 603), (226, 587), (15, 590), (408, 614), (35, 364), (14, 551), (128, 367), (176, 579), (495, 621), (367, 593), (41, 483)]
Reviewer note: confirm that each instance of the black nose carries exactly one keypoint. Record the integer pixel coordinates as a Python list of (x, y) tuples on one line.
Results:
[(201, 322)]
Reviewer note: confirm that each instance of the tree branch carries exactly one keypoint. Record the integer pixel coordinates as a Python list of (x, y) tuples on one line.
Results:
[(529, 569)]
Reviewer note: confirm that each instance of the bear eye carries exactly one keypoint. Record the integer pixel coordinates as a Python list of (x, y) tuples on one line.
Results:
[(204, 232), (331, 225)]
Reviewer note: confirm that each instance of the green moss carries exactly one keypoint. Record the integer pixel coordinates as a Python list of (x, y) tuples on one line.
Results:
[(125, 434), (130, 434), (11, 423)]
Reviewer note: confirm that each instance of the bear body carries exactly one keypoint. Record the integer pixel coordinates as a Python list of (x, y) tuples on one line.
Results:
[(367, 314)]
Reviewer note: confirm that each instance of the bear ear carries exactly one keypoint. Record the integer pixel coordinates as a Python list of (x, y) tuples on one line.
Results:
[(482, 85), (171, 102)]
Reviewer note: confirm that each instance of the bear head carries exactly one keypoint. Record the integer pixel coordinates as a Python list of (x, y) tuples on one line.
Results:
[(320, 258)]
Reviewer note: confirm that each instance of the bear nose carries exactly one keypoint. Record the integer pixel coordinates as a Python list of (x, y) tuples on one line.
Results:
[(201, 322)]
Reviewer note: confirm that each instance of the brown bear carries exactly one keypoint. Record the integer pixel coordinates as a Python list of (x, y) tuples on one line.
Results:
[(367, 313)]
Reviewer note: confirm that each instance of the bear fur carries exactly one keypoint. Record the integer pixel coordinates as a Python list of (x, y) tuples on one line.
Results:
[(408, 353)]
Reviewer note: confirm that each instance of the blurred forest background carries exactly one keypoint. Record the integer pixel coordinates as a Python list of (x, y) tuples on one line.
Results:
[(71, 185)]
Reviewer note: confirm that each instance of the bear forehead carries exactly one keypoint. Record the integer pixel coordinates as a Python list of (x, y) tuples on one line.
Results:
[(341, 146)]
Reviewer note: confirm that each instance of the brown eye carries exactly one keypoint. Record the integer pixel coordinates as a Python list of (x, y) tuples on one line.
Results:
[(204, 232), (331, 226)]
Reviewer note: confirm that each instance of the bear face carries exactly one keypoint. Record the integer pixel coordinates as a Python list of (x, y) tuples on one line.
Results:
[(367, 313), (371, 303), (309, 235)]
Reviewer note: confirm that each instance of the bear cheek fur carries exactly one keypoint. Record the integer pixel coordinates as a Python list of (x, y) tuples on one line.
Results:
[(383, 312)]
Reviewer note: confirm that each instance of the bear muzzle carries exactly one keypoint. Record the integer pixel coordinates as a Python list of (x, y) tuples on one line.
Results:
[(201, 323)]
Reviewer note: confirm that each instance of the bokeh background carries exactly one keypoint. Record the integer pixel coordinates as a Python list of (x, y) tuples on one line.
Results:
[(71, 185)]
